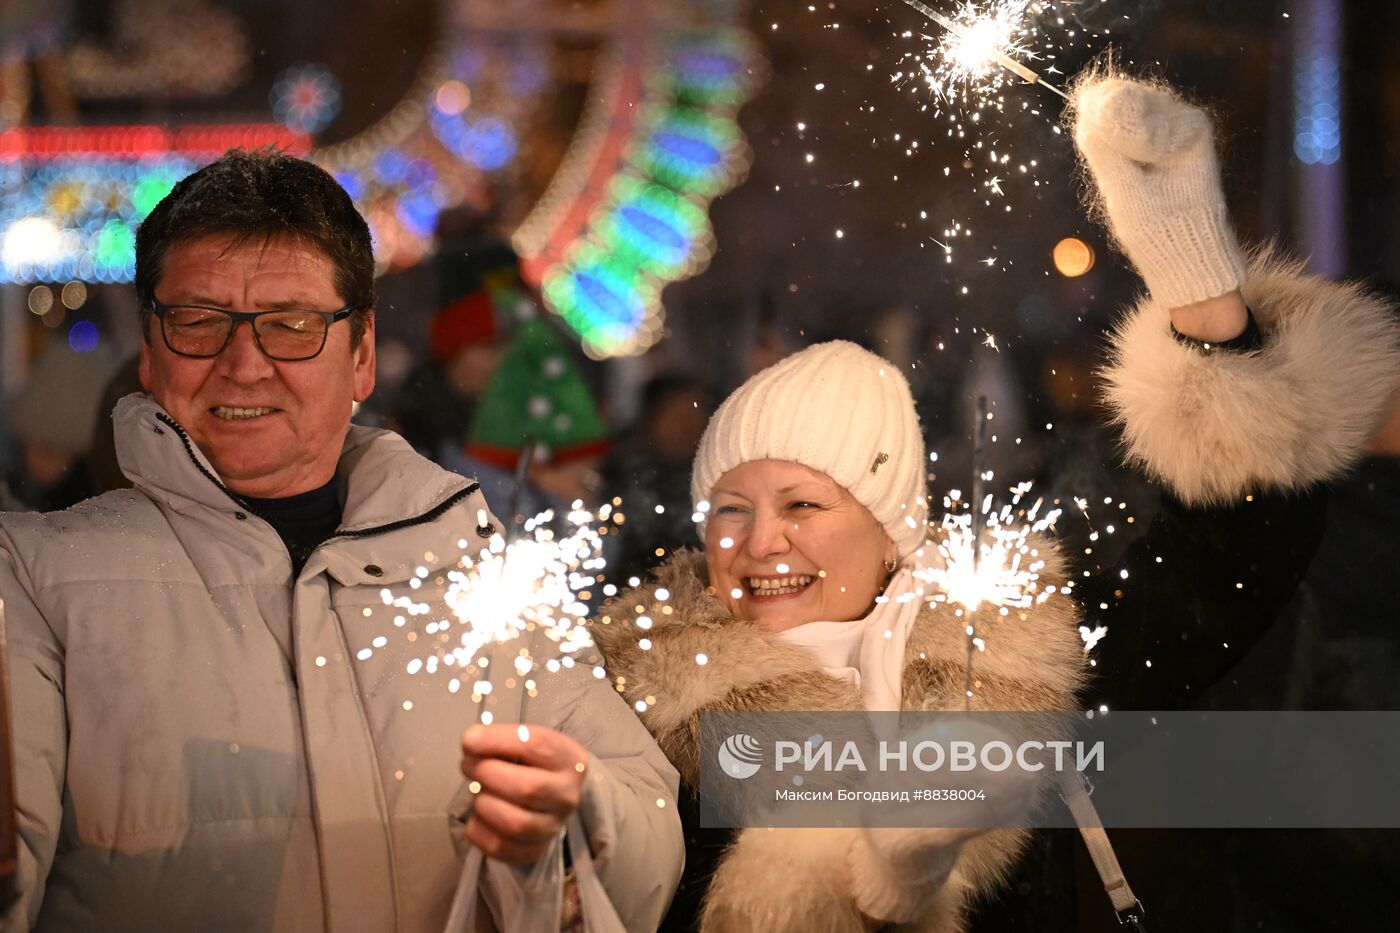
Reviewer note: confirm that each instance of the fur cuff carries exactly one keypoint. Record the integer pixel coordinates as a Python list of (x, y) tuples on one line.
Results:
[(896, 872), (1298, 412), (784, 881)]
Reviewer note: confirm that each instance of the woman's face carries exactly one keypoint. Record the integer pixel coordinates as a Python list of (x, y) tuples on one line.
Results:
[(786, 545)]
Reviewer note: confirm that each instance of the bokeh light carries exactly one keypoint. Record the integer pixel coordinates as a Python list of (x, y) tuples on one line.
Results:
[(452, 97), (83, 337), (1073, 257), (74, 295), (40, 299)]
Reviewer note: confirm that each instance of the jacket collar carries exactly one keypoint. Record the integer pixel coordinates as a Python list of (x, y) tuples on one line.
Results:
[(382, 480)]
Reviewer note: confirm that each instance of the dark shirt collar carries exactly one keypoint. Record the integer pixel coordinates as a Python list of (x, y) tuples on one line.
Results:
[(303, 521)]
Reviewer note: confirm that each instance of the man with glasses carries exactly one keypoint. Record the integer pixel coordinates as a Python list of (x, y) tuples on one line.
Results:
[(215, 724)]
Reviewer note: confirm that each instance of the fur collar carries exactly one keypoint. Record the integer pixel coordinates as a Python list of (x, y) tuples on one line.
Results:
[(1034, 659)]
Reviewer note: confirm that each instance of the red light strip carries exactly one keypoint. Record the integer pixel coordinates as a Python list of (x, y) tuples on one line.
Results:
[(125, 142)]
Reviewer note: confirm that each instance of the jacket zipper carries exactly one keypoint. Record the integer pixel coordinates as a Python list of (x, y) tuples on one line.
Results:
[(427, 516), (189, 452)]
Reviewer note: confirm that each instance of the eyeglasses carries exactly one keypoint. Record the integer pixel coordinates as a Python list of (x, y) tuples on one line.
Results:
[(286, 336)]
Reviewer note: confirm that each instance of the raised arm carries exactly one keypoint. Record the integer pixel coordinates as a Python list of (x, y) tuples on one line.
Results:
[(1214, 408), (1241, 384)]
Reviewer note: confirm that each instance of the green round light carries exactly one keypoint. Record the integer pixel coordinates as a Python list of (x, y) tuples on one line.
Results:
[(150, 189), (116, 244)]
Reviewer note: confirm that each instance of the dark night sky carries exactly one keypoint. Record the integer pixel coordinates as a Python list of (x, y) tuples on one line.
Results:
[(779, 260)]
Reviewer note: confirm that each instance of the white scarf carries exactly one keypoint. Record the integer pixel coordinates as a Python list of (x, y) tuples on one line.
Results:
[(868, 653)]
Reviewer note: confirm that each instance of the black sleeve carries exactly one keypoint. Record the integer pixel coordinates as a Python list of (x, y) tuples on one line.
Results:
[(1191, 597)]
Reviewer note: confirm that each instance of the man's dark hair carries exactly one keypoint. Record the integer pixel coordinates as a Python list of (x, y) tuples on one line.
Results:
[(262, 195)]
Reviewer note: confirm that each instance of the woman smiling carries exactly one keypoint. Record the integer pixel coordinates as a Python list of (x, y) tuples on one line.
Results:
[(1240, 383), (809, 597), (775, 525)]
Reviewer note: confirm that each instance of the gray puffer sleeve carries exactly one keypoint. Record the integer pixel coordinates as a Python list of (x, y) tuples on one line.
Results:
[(34, 658)]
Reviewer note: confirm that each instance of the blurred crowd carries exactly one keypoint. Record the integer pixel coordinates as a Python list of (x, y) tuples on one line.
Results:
[(496, 389)]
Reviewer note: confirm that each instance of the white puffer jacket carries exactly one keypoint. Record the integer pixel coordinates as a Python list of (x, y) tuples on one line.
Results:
[(203, 743)]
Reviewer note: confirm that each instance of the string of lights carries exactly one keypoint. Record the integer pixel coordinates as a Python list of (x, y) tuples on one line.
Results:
[(625, 215), (71, 197), (628, 212)]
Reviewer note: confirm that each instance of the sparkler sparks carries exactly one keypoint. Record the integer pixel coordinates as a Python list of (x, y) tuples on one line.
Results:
[(966, 66), (536, 583), (1001, 570), (977, 41)]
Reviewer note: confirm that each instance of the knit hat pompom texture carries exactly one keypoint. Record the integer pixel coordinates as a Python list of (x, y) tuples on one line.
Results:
[(840, 410)]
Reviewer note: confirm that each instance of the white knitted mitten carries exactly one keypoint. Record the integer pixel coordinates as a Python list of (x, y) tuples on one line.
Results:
[(896, 872), (1152, 158)]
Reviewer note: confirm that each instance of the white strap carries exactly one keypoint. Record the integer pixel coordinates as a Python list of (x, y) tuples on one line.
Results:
[(1073, 789), (599, 915)]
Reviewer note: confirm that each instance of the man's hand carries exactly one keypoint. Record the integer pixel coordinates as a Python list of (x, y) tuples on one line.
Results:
[(1151, 156), (527, 780)]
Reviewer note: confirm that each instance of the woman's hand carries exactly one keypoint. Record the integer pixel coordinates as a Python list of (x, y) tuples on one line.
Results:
[(1214, 320), (897, 871), (531, 781), (1152, 159)]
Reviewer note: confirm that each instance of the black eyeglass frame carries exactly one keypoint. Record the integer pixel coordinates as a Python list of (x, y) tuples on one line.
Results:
[(251, 317)]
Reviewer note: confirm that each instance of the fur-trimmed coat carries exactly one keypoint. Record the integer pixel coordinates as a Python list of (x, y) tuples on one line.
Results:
[(1244, 442), (801, 879)]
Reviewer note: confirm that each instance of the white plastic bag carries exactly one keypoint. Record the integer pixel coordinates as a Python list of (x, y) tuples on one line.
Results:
[(533, 903)]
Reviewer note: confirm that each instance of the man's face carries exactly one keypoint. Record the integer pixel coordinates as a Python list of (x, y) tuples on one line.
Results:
[(271, 429)]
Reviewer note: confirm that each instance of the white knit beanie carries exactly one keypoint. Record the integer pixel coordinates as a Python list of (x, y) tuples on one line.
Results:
[(837, 409)]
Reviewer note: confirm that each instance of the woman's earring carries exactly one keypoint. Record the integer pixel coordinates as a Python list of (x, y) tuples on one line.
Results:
[(890, 565)]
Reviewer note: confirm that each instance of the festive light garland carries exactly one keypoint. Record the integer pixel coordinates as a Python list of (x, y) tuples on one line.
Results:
[(402, 171), (627, 211), (70, 198), (625, 215), (456, 132)]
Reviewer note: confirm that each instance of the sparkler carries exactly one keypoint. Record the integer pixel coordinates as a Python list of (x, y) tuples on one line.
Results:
[(980, 43), (978, 508), (989, 560), (537, 582)]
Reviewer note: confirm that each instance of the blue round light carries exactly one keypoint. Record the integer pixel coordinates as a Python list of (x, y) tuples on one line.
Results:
[(82, 337)]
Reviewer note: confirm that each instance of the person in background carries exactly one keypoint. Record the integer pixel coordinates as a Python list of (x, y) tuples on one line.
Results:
[(536, 406), (649, 470), (52, 418), (480, 292)]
